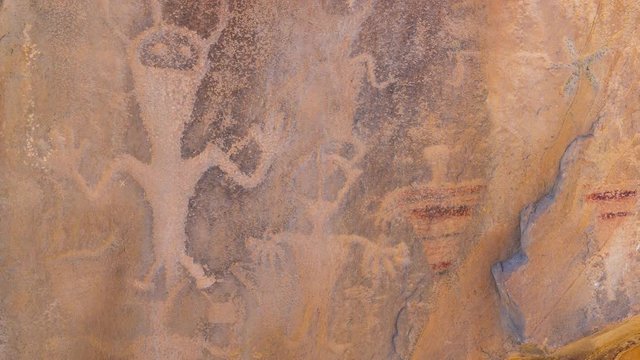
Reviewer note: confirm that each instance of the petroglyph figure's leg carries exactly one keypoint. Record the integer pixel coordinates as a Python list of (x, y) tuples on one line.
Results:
[(316, 319), (195, 270)]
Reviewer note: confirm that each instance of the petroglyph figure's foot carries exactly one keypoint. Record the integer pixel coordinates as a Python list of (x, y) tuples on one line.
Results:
[(146, 284), (321, 344), (196, 271), (336, 347)]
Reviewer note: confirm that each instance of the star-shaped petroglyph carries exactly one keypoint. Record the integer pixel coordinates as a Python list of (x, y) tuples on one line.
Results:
[(580, 65)]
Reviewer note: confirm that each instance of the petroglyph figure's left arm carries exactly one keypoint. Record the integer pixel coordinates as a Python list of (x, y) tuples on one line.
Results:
[(270, 138)]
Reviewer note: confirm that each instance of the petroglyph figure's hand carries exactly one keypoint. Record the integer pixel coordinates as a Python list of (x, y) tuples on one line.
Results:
[(390, 259), (65, 155), (271, 135), (270, 252), (580, 65), (377, 258)]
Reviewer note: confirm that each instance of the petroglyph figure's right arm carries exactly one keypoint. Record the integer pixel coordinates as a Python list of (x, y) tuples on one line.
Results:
[(65, 158)]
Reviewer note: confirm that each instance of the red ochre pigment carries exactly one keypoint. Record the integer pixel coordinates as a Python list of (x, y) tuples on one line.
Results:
[(613, 215), (612, 195), (441, 212)]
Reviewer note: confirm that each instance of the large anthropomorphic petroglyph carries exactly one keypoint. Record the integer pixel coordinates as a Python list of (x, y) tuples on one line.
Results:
[(168, 63)]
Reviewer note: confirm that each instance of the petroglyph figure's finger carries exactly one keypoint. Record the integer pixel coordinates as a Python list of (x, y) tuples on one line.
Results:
[(370, 67), (156, 12), (571, 48), (223, 20), (592, 78), (596, 56), (58, 140), (571, 84), (244, 276), (556, 66), (112, 22)]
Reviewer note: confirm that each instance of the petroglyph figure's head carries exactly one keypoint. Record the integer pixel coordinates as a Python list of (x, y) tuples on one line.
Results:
[(170, 48), (160, 44), (175, 47), (438, 158)]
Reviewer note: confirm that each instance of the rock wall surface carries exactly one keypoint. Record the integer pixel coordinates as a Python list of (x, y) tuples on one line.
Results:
[(331, 179)]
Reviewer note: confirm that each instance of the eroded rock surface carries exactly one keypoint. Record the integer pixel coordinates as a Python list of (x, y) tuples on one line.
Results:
[(317, 180), (575, 271)]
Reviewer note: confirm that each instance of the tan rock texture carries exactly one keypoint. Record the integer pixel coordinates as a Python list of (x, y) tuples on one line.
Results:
[(330, 179)]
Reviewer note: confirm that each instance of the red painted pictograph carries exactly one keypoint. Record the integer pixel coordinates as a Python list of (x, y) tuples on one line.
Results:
[(439, 216), (611, 195), (441, 267), (435, 212), (615, 214), (613, 204)]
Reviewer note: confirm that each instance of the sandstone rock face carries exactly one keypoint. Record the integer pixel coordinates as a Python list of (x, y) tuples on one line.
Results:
[(363, 179)]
